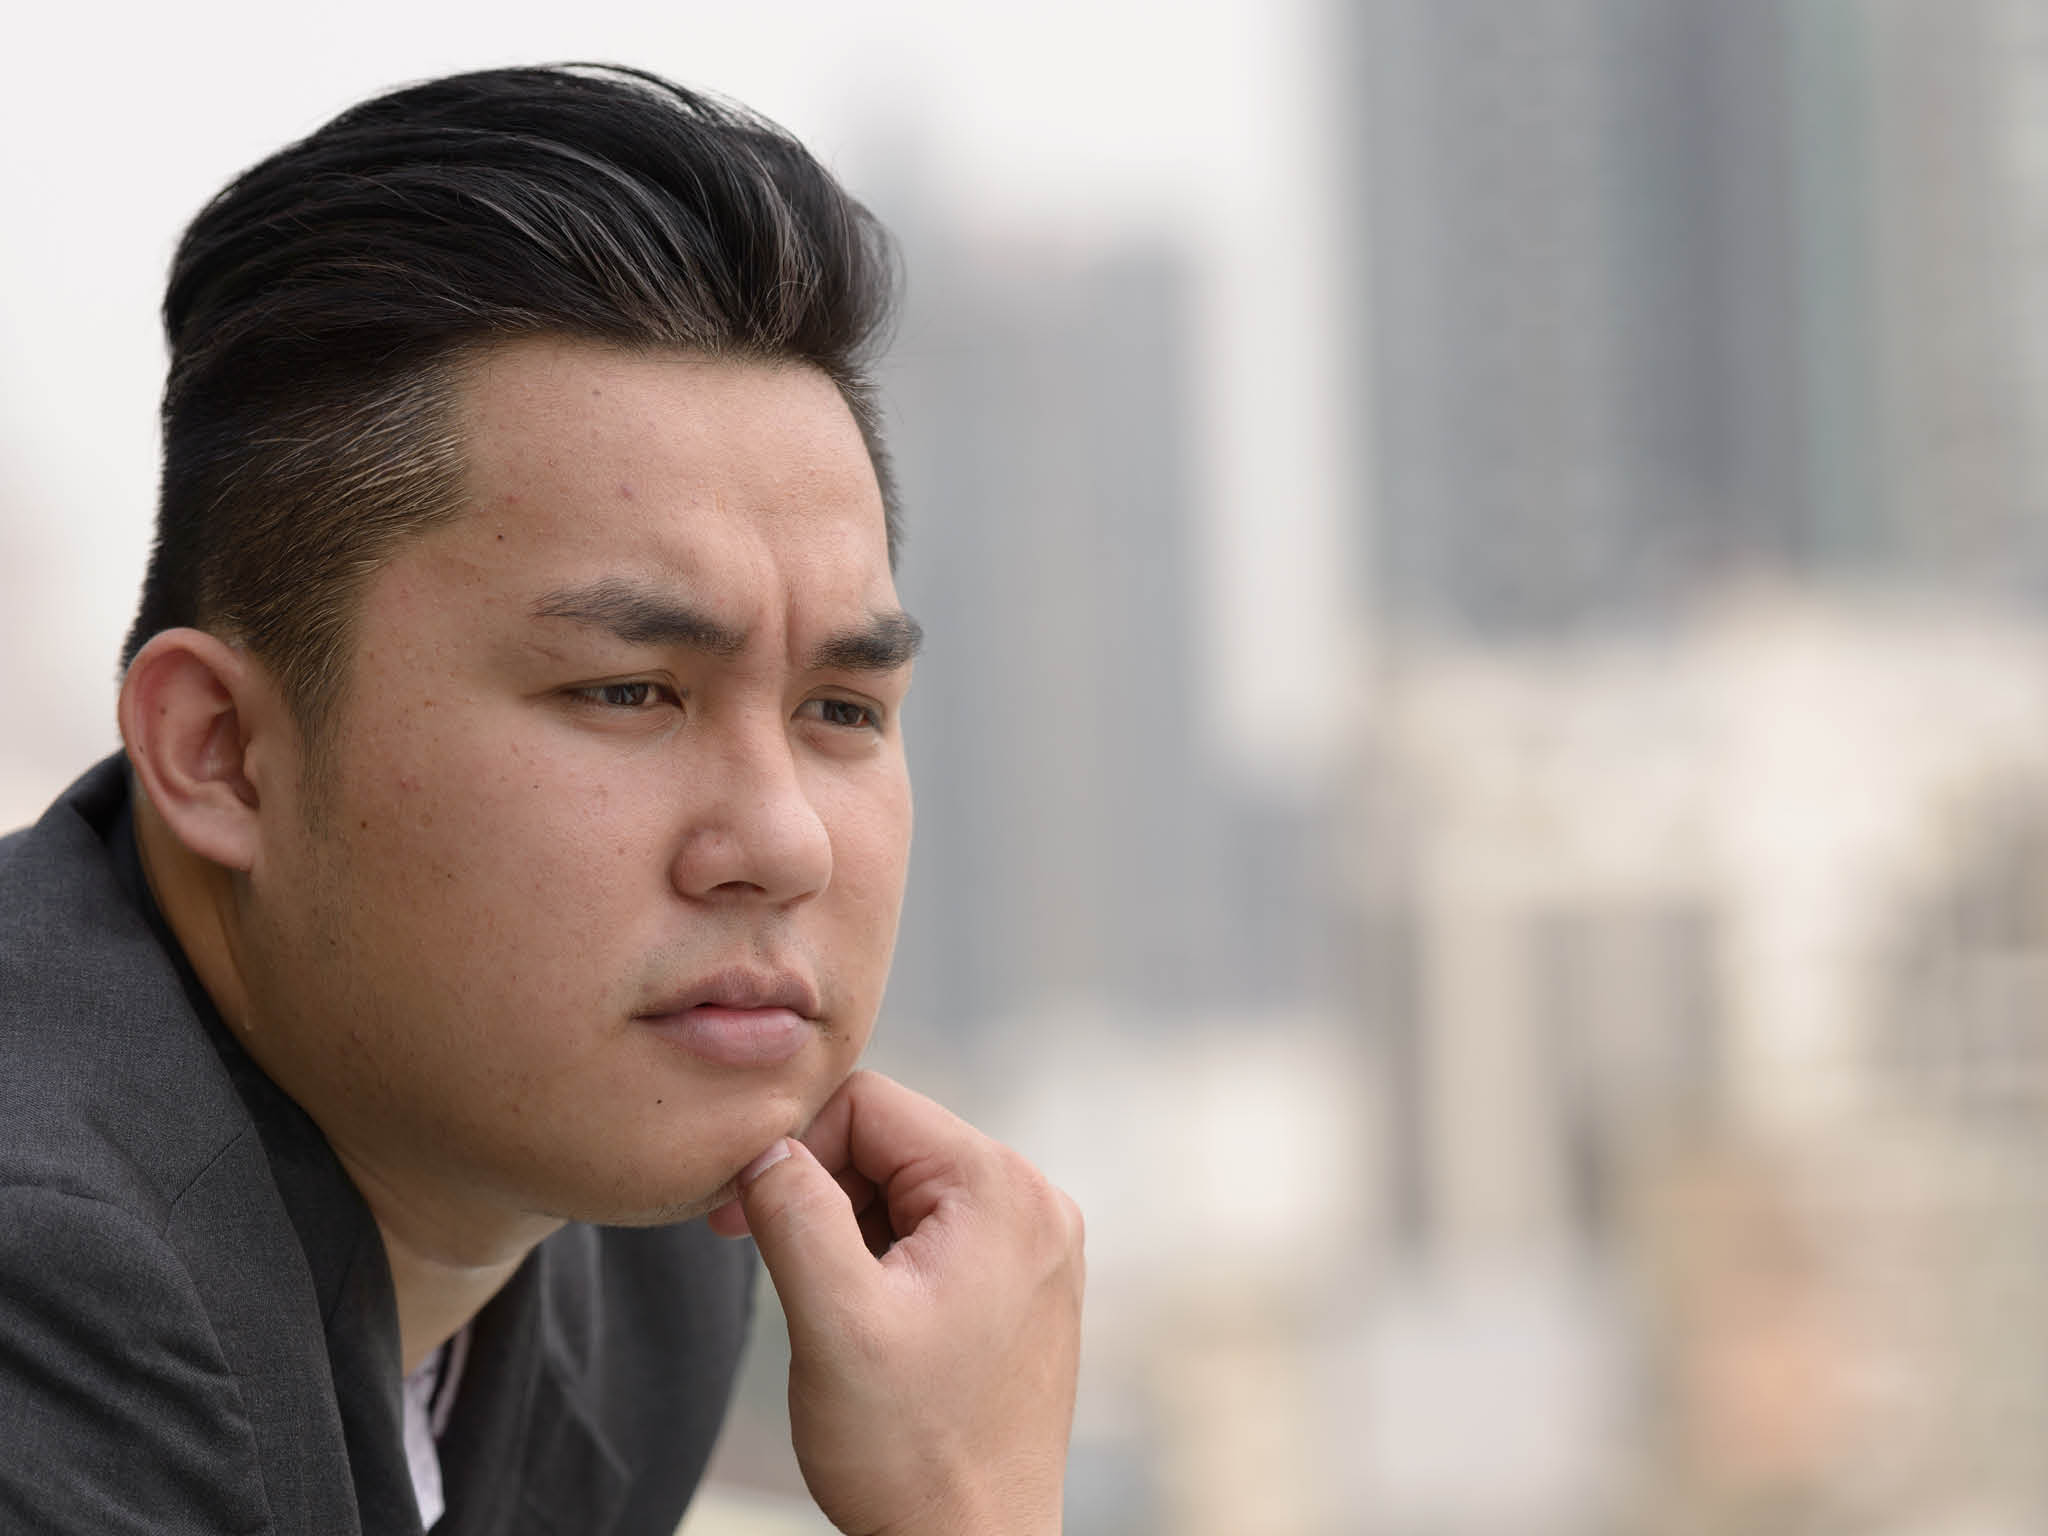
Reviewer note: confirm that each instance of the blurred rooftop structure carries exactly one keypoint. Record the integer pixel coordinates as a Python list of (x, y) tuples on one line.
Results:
[(1723, 994)]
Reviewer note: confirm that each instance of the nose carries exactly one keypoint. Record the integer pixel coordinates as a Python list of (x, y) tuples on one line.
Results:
[(754, 832)]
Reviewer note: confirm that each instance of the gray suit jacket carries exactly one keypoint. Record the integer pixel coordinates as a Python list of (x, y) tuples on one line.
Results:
[(197, 1329)]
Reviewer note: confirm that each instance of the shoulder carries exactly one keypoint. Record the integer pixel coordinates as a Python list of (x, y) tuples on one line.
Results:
[(112, 1106), (160, 1334), (116, 1387), (110, 1088)]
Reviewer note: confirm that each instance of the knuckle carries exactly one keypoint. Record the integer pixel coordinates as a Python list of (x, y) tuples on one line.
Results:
[(1042, 1205), (1052, 1221), (1048, 1205), (1019, 1172), (1077, 1223)]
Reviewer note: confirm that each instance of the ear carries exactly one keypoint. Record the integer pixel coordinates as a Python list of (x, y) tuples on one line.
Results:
[(192, 709)]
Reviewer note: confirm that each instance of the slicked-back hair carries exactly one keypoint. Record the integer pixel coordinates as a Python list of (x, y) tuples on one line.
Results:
[(323, 307)]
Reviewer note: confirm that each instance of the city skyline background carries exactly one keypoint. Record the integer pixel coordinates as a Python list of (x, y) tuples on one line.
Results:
[(1483, 757)]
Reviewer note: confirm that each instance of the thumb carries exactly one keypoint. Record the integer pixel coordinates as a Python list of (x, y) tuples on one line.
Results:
[(805, 1228)]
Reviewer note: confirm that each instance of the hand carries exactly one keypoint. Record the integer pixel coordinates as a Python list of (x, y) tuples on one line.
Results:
[(932, 1282)]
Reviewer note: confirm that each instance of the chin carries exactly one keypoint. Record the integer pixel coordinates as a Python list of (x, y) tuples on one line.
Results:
[(663, 1207), (680, 1167), (650, 1210), (668, 1215), (657, 1192)]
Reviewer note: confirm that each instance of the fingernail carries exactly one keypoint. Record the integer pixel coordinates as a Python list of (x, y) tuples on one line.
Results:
[(764, 1162)]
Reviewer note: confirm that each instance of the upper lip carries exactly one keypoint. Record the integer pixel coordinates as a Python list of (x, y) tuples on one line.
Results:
[(742, 988)]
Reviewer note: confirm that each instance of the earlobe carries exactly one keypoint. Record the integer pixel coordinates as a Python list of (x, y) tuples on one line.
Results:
[(188, 705)]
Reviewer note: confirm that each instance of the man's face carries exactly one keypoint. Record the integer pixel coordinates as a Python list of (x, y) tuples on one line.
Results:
[(604, 887)]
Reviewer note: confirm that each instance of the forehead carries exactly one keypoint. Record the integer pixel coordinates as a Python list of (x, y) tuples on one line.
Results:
[(593, 460)]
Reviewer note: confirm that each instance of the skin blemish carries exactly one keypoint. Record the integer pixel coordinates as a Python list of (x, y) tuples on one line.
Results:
[(625, 493)]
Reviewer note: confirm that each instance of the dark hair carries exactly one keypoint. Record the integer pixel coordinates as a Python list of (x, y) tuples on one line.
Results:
[(320, 309)]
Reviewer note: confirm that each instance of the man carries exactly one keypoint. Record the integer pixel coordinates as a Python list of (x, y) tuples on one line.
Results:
[(498, 883)]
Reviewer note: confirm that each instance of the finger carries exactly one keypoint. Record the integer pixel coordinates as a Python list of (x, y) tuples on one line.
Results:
[(902, 1142), (727, 1220), (806, 1230), (730, 1218), (861, 1192)]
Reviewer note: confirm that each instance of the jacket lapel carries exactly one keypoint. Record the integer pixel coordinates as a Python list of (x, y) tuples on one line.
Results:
[(343, 1258), (352, 1288), (521, 1452)]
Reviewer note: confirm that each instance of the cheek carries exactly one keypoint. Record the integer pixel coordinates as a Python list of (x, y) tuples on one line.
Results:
[(869, 817), (472, 855), (871, 852)]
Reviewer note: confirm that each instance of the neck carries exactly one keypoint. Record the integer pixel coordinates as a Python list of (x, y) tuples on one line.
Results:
[(444, 1268), (442, 1277)]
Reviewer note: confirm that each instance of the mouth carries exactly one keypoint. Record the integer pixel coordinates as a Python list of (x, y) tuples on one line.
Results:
[(739, 1019)]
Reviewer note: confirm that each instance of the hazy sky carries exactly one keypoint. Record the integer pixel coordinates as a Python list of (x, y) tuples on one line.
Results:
[(1079, 121)]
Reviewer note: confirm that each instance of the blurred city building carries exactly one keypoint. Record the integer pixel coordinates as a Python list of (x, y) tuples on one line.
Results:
[(1663, 291), (1697, 825), (1080, 840), (1125, 948), (1723, 1054)]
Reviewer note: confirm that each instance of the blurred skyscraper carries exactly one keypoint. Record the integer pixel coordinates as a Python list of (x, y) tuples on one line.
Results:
[(1661, 291), (1077, 840), (1660, 294)]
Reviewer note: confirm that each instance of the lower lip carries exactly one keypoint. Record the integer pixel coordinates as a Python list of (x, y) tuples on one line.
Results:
[(736, 1037)]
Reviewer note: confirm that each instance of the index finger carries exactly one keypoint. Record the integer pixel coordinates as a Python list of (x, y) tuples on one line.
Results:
[(910, 1148)]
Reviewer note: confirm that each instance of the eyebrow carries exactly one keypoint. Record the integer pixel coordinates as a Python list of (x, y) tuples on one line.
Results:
[(886, 642), (642, 617)]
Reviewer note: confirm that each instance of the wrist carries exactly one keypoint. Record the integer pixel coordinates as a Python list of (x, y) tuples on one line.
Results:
[(1006, 1523), (983, 1512)]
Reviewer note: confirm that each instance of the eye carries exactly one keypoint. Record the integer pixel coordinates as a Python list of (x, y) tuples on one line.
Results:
[(847, 714), (625, 696)]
